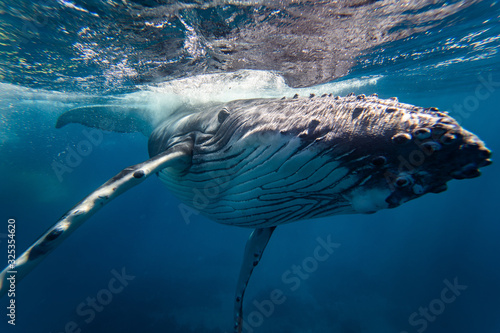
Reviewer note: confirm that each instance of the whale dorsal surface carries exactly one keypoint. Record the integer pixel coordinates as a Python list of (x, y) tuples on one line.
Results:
[(260, 163)]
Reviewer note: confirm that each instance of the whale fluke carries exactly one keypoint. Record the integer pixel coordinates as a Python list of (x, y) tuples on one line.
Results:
[(115, 118)]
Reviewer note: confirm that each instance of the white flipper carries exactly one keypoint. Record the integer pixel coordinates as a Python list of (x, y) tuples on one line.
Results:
[(177, 158), (253, 252)]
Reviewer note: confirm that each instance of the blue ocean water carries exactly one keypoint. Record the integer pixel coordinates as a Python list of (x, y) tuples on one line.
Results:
[(430, 265)]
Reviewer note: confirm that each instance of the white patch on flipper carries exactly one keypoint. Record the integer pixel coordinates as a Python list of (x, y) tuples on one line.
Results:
[(368, 200)]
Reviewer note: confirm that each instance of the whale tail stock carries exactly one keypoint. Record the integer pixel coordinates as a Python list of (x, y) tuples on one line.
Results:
[(116, 118)]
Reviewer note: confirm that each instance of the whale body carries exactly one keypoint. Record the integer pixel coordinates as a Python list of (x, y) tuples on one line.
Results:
[(260, 163), (263, 162)]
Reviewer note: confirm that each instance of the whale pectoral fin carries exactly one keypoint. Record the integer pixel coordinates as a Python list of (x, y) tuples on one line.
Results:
[(114, 118), (253, 252), (177, 158)]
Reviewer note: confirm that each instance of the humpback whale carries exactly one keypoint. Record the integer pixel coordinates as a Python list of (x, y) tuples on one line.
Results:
[(260, 163)]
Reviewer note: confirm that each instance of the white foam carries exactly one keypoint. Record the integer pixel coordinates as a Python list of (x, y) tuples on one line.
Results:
[(219, 88)]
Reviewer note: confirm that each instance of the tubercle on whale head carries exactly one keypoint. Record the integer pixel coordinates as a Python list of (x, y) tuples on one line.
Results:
[(445, 152), (427, 151)]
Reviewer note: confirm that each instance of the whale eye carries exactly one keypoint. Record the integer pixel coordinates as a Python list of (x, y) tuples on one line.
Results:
[(223, 114)]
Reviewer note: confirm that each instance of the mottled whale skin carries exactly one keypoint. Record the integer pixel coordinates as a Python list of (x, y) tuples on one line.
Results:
[(260, 163), (264, 162)]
